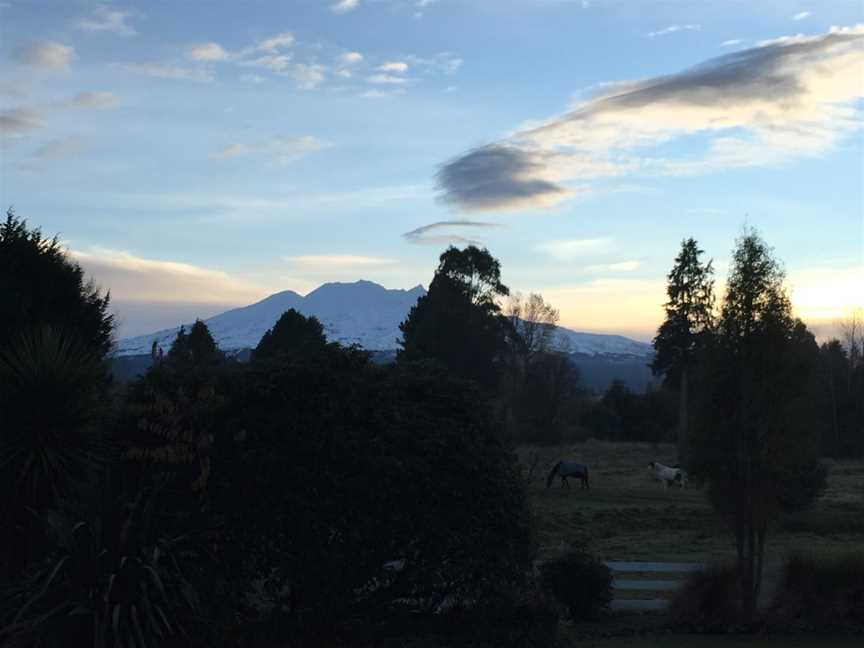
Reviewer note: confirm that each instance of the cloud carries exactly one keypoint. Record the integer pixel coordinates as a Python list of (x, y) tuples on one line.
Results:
[(350, 58), (344, 6), (308, 76), (282, 149), (498, 176), (443, 63), (48, 55), (277, 42), (785, 99), (671, 29), (107, 19), (252, 78), (59, 149), (137, 279), (444, 232), (826, 294), (207, 52), (97, 100), (18, 121), (802, 15), (620, 266), (332, 261), (386, 79), (394, 66), (172, 72), (571, 249), (14, 88), (274, 62), (731, 43)]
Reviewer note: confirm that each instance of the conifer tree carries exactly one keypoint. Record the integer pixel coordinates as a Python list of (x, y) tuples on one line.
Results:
[(689, 319)]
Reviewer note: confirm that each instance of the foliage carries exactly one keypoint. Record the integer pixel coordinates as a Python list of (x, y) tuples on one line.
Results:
[(457, 322), (42, 287), (622, 415), (756, 424), (329, 470), (821, 593), (689, 312), (108, 582), (195, 349), (550, 383), (580, 582), (50, 407), (708, 600), (293, 335)]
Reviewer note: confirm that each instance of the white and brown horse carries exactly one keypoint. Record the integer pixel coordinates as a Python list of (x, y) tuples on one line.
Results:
[(669, 475)]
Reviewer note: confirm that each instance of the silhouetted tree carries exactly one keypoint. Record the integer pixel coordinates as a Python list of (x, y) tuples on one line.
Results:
[(689, 319), (534, 322), (41, 286), (194, 349), (458, 322), (755, 435), (293, 335)]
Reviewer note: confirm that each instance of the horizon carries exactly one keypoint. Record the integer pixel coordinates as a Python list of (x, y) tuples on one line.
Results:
[(200, 161)]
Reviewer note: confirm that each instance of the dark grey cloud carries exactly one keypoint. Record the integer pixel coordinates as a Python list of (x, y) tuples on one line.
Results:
[(443, 232), (789, 97), (494, 176)]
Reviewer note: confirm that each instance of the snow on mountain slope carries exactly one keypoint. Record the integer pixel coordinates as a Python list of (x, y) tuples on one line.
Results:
[(361, 313)]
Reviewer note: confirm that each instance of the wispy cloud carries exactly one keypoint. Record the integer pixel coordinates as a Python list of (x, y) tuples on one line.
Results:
[(445, 232), (784, 99), (19, 121), (281, 149), (207, 52), (802, 15), (47, 55), (671, 29), (135, 278), (394, 66), (386, 79), (619, 266), (59, 149), (344, 6), (96, 100), (173, 72), (571, 249), (308, 75), (107, 19), (334, 261), (350, 58), (731, 43)]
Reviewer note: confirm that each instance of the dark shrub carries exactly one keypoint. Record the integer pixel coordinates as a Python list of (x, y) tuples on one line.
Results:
[(331, 468), (707, 600), (803, 484), (821, 593), (580, 582)]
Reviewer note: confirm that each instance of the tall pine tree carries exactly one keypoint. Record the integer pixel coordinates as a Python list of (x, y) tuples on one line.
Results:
[(689, 320)]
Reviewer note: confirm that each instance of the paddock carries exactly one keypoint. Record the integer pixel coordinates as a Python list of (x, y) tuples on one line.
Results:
[(627, 515)]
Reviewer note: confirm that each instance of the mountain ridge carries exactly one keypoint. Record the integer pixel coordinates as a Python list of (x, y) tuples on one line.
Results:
[(360, 312)]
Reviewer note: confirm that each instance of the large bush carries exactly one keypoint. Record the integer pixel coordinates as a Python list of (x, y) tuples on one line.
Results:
[(330, 469), (821, 593), (707, 601), (580, 582)]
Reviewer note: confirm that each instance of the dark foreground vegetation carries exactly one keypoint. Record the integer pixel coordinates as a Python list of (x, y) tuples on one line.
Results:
[(311, 497)]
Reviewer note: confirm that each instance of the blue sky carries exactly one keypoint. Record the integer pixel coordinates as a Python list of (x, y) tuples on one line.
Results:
[(200, 155)]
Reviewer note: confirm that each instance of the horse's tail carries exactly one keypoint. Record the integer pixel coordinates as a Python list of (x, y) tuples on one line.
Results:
[(552, 474)]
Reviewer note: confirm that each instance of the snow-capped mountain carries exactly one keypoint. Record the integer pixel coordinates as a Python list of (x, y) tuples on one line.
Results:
[(361, 313)]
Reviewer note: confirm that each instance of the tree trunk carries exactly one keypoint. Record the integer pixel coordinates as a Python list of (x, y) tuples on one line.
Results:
[(683, 421)]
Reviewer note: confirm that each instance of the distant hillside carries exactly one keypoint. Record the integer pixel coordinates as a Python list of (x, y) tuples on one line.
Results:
[(361, 313)]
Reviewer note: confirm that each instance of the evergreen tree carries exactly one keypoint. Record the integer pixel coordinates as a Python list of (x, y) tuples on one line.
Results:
[(194, 349), (756, 438), (689, 320), (293, 335), (458, 322), (42, 287)]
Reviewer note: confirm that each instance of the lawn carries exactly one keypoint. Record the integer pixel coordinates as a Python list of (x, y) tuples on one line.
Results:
[(628, 516)]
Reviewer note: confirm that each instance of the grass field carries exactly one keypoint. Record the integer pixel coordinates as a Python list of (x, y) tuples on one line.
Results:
[(628, 516)]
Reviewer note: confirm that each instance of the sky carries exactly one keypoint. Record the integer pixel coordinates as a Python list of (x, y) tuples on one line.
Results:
[(195, 156)]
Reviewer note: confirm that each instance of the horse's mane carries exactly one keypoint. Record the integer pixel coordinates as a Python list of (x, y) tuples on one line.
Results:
[(552, 474)]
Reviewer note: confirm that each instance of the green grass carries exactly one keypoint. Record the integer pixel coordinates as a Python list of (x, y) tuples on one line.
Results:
[(721, 641), (628, 516)]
